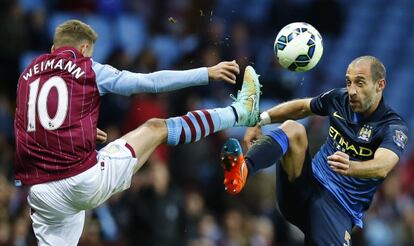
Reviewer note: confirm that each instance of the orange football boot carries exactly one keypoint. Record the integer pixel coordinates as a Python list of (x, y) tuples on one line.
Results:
[(234, 165)]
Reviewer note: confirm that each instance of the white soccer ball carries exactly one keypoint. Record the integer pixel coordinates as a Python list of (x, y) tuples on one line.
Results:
[(298, 47)]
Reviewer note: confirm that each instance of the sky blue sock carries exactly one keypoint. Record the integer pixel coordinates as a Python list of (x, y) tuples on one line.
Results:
[(198, 124)]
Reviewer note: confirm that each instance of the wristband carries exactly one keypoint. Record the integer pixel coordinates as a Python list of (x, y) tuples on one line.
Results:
[(264, 119)]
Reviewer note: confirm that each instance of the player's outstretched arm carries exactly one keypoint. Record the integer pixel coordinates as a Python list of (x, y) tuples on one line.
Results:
[(111, 80), (379, 167), (291, 110)]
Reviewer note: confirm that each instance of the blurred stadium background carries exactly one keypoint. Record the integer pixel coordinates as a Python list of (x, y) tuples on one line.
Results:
[(178, 199)]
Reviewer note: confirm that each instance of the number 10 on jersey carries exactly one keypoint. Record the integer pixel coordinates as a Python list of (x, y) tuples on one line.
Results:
[(38, 99)]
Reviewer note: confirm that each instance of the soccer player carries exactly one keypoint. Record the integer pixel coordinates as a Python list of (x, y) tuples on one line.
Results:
[(56, 118), (327, 195)]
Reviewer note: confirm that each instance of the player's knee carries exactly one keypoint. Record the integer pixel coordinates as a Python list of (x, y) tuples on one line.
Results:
[(155, 124), (295, 132)]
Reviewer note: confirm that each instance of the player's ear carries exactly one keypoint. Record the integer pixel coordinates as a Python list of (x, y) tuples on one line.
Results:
[(381, 85), (84, 48)]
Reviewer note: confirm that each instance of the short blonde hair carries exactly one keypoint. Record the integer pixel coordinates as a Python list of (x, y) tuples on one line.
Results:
[(72, 33)]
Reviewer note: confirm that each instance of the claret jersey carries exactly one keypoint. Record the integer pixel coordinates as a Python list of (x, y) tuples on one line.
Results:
[(57, 107), (359, 138), (56, 116)]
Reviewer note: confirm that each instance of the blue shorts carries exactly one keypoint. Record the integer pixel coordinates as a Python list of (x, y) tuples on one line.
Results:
[(308, 205)]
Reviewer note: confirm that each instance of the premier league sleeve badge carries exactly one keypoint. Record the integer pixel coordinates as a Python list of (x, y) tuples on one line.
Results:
[(400, 139)]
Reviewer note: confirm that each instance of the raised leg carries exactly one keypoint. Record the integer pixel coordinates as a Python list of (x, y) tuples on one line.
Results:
[(146, 138)]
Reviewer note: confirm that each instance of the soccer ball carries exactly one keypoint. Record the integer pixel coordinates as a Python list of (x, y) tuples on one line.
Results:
[(298, 47)]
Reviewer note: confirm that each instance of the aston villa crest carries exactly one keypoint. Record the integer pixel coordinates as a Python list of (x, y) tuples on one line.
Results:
[(365, 132)]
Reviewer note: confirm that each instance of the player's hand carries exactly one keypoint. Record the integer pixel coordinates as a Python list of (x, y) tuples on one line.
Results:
[(339, 162), (101, 136), (226, 71), (252, 134)]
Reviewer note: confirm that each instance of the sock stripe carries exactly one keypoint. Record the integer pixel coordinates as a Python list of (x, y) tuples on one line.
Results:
[(185, 131), (281, 138), (196, 125), (200, 123), (182, 136), (209, 120), (205, 122), (192, 128)]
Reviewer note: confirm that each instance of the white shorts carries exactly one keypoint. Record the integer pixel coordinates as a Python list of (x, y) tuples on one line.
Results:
[(58, 207)]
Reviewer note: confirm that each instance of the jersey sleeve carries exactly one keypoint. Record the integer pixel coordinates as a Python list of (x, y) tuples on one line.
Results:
[(395, 138), (112, 80), (320, 104)]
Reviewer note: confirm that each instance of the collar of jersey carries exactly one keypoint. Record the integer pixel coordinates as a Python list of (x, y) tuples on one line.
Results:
[(69, 51)]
